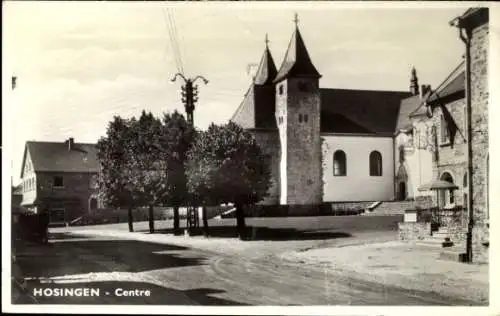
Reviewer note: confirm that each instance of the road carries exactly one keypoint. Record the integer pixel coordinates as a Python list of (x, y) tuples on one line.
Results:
[(176, 275)]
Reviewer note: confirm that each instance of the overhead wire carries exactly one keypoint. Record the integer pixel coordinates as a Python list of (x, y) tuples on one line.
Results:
[(176, 39), (173, 43)]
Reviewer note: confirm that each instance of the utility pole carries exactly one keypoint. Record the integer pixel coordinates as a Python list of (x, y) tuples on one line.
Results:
[(189, 94), (189, 98)]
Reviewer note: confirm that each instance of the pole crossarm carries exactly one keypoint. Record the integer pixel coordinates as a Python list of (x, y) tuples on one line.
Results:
[(179, 75), (205, 81), (189, 93)]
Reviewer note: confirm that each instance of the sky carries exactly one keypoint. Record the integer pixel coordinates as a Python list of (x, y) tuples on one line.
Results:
[(79, 64)]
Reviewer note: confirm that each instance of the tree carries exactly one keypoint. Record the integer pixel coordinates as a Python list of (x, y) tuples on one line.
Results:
[(225, 164), (147, 163), (114, 184), (175, 140)]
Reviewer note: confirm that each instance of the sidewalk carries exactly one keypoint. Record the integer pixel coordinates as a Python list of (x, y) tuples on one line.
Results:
[(402, 264)]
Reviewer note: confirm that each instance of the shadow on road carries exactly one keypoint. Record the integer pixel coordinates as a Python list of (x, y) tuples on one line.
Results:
[(76, 256), (267, 233), (112, 292)]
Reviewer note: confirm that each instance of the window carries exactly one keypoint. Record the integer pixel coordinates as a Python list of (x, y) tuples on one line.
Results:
[(447, 197), (280, 89), (58, 181), (445, 135), (339, 163), (375, 164), (306, 118), (300, 118), (401, 153)]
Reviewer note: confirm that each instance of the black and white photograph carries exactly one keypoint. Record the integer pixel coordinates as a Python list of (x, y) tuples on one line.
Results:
[(234, 156)]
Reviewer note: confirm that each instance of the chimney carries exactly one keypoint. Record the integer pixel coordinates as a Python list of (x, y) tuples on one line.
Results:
[(414, 82), (424, 90), (71, 143)]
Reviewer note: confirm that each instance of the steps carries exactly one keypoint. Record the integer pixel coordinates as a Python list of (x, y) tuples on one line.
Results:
[(392, 208), (440, 240)]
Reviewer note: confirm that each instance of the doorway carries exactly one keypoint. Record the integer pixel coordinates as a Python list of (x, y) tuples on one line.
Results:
[(402, 191)]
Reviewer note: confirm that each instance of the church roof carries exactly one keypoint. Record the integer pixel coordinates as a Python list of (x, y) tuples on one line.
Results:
[(453, 85), (342, 110), (297, 61), (376, 112), (267, 69), (257, 110), (407, 107)]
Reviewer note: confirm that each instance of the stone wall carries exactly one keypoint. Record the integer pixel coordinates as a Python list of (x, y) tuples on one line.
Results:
[(73, 196), (414, 231), (269, 142), (479, 120)]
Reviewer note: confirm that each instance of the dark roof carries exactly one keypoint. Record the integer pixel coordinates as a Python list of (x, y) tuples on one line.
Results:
[(407, 106), (257, 110), (374, 111), (267, 69), (342, 111), (472, 18), (454, 84), (245, 113), (338, 123), (56, 157), (297, 61)]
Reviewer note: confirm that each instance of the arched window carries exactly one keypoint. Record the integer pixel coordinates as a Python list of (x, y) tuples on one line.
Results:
[(448, 196), (339, 163), (445, 134), (375, 164)]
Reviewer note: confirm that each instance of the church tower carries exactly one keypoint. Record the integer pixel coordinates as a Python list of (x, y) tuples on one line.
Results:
[(298, 120)]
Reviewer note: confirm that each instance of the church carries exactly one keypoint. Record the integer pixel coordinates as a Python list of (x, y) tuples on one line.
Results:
[(326, 144)]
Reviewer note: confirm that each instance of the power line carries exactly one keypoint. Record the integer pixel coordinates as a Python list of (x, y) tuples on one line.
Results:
[(177, 60), (176, 39)]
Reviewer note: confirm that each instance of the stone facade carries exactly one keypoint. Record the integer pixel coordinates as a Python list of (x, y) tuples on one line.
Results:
[(74, 196), (451, 157), (298, 113), (480, 150), (414, 230)]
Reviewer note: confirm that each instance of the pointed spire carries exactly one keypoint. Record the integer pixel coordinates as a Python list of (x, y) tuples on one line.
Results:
[(297, 61), (414, 82), (267, 68)]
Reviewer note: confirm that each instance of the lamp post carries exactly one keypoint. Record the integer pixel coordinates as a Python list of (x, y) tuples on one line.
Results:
[(189, 94)]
